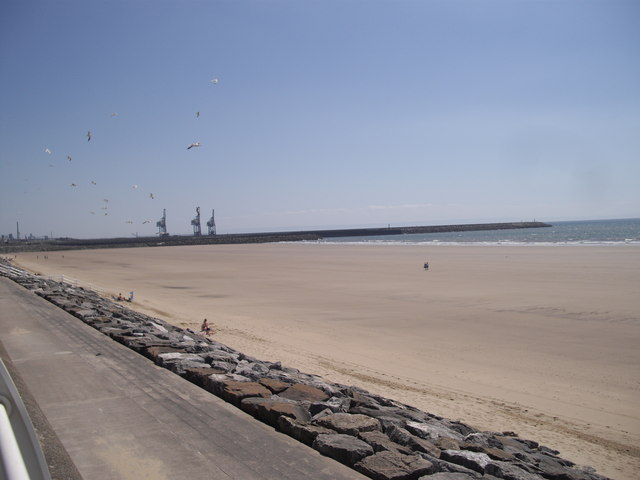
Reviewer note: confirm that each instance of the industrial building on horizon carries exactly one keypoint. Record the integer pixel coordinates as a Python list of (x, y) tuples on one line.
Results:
[(161, 224)]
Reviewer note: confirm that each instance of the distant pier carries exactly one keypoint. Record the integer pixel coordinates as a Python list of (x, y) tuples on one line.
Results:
[(259, 237)]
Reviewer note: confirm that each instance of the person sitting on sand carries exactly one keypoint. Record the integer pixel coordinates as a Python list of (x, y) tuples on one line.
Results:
[(206, 329), (120, 298)]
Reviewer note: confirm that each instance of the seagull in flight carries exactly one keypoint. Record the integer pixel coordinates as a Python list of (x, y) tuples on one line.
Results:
[(69, 157), (73, 185), (89, 136), (114, 114), (134, 187), (47, 151), (146, 221), (194, 144), (151, 196), (93, 182), (197, 114), (214, 81), (129, 221)]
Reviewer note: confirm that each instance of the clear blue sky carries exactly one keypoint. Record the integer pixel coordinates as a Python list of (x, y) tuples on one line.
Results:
[(327, 113)]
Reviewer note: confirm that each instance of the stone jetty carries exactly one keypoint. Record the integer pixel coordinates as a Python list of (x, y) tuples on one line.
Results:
[(379, 437), (259, 237)]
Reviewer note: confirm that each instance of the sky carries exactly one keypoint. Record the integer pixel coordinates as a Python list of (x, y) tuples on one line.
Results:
[(325, 114)]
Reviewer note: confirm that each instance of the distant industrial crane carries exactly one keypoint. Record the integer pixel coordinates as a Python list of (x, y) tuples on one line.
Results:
[(162, 224), (211, 224), (196, 224)]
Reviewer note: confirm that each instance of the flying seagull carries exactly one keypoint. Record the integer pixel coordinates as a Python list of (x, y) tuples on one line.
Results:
[(47, 151), (73, 185), (114, 114), (146, 221), (93, 182), (134, 186), (214, 81), (89, 136), (194, 144), (69, 157), (151, 196), (129, 221), (197, 114)]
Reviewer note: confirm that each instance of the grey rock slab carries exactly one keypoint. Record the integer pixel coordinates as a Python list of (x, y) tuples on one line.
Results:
[(343, 448), (167, 359), (225, 366), (85, 313), (484, 439), (234, 392), (276, 386), (432, 431), (348, 423), (216, 383), (302, 393), (254, 371), (394, 466), (415, 443), (509, 471), (447, 467), (301, 431), (473, 460), (448, 476), (381, 442), (333, 405), (269, 410)]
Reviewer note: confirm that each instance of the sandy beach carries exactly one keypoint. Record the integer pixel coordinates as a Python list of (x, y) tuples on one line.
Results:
[(542, 341)]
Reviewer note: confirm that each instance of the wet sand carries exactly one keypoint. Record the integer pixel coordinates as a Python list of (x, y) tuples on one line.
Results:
[(542, 341)]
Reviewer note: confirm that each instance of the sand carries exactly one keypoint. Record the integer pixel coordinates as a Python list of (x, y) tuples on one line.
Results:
[(543, 341)]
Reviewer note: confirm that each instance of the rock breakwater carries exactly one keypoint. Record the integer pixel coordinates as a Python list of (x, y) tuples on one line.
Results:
[(259, 237), (379, 437)]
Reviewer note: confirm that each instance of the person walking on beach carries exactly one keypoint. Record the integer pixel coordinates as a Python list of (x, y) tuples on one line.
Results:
[(426, 266), (206, 329)]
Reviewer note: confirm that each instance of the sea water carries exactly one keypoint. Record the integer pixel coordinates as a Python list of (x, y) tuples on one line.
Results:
[(587, 232)]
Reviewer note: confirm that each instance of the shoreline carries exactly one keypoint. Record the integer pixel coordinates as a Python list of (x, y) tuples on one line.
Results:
[(335, 310)]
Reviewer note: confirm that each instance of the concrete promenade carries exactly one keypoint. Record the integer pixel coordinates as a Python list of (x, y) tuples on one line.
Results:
[(119, 416)]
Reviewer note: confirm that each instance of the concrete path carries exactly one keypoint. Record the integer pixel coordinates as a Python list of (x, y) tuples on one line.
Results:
[(119, 416)]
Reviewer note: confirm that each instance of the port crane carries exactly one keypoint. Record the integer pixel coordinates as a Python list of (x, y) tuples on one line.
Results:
[(196, 224), (211, 224)]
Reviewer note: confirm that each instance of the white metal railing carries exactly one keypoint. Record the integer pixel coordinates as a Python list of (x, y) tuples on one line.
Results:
[(12, 461), (9, 270), (20, 452)]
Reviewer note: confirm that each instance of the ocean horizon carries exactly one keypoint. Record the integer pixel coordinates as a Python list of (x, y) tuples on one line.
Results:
[(582, 232)]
